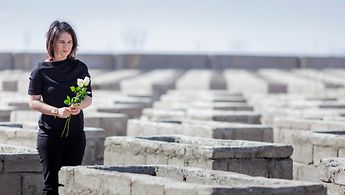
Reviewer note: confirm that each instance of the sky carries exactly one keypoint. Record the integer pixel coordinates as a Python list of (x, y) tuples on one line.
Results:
[(265, 27)]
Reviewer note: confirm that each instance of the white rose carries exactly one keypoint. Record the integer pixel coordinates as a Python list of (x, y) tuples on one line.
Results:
[(80, 82), (86, 81)]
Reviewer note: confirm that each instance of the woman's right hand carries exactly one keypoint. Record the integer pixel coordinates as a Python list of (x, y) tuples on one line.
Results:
[(63, 112)]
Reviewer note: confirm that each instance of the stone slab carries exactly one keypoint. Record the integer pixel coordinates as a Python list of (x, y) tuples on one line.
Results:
[(159, 179), (200, 152)]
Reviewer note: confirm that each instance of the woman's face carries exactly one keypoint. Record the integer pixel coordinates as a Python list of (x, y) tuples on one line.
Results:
[(63, 46)]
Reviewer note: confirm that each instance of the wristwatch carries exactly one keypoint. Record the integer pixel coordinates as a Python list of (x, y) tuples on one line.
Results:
[(55, 112)]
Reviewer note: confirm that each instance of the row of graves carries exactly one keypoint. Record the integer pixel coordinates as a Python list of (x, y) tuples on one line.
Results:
[(197, 132)]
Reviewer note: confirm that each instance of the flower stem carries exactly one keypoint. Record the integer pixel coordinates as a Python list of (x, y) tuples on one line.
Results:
[(69, 119), (66, 127)]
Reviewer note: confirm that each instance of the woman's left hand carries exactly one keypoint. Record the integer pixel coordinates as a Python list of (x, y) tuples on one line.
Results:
[(74, 109)]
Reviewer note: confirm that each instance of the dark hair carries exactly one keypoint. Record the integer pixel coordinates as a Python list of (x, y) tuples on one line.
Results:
[(55, 30)]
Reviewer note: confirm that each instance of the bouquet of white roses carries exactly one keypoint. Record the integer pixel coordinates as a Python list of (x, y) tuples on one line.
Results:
[(80, 93)]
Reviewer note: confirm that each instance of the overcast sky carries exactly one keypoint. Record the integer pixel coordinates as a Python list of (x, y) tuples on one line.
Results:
[(282, 27)]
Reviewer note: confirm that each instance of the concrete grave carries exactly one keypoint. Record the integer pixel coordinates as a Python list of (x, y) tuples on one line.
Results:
[(207, 79), (247, 157), (202, 114), (172, 180), (184, 105), (249, 83), (131, 110), (111, 80), (151, 84), (312, 141), (202, 95), (16, 134), (200, 128), (20, 170), (112, 123)]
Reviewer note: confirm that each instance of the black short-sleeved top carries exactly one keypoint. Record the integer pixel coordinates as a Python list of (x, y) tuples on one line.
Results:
[(52, 80)]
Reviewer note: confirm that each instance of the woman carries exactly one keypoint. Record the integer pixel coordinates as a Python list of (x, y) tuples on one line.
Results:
[(50, 83)]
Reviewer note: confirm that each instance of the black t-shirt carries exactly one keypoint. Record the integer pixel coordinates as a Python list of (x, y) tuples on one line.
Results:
[(52, 80)]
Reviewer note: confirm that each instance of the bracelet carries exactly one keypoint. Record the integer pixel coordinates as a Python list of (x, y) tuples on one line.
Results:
[(55, 112)]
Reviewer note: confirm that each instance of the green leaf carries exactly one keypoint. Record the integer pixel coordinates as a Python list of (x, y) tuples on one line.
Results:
[(67, 102), (72, 88)]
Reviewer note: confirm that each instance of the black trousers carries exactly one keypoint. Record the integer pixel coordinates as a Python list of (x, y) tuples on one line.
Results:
[(55, 152)]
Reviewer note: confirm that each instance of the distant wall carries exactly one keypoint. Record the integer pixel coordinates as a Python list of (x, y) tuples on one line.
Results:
[(154, 61), (6, 61), (323, 62), (27, 61), (255, 62)]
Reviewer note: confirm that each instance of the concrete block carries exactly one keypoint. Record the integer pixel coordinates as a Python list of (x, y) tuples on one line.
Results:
[(267, 135), (24, 116), (156, 159), (123, 184), (90, 152), (318, 126), (277, 169), (207, 129), (201, 163), (278, 135), (5, 113), (132, 111), (341, 152), (20, 168), (154, 179), (225, 116), (245, 156), (275, 87), (66, 177), (22, 163), (147, 186), (27, 137), (300, 124), (328, 139), (250, 167), (113, 124), (174, 189), (10, 184), (32, 183), (333, 189), (94, 146), (248, 134), (83, 179), (175, 161), (320, 152), (306, 172), (163, 114), (281, 123), (303, 148)]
